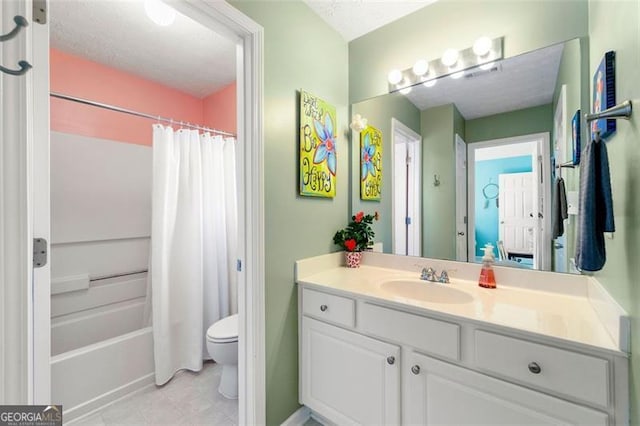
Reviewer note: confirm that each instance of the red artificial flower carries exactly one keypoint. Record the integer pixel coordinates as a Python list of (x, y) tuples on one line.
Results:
[(350, 245), (359, 216)]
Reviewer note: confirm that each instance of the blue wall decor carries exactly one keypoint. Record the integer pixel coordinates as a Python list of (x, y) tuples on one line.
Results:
[(575, 137), (604, 95)]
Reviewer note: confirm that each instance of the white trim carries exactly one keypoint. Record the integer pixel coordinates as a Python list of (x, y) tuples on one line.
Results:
[(542, 139), (16, 354), (298, 418), (416, 139)]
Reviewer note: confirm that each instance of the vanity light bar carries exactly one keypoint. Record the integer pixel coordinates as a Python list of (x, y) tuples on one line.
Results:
[(466, 60)]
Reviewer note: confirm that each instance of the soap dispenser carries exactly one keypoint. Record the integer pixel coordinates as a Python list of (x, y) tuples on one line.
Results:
[(487, 277)]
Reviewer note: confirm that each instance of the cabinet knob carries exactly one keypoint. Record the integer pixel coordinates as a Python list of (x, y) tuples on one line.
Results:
[(415, 369), (534, 368), (391, 360), (323, 308)]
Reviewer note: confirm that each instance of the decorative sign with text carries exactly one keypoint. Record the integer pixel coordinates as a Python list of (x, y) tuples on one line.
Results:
[(370, 163), (318, 159)]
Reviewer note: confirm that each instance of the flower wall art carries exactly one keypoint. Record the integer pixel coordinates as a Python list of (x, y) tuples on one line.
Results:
[(318, 158), (370, 163)]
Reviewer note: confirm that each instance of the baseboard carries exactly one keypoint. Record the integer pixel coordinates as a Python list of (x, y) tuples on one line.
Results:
[(298, 418), (323, 421), (86, 409)]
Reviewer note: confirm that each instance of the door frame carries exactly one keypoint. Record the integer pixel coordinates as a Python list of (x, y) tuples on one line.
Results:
[(542, 141), (25, 367), (461, 147), (398, 127)]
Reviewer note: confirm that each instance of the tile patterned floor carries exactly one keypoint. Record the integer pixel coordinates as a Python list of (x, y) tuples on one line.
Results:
[(188, 399)]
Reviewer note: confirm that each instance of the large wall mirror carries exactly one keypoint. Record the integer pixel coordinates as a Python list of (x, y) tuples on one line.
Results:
[(472, 160)]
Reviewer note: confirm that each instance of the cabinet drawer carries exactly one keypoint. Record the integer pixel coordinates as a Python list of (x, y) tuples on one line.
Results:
[(426, 334), (580, 376), (328, 307)]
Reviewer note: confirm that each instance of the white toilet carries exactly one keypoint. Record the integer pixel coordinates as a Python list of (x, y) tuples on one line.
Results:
[(222, 344)]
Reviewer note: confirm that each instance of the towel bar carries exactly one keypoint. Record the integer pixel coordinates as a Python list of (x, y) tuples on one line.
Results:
[(622, 110)]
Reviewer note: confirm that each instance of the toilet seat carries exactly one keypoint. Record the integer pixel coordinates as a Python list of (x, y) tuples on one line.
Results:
[(224, 330)]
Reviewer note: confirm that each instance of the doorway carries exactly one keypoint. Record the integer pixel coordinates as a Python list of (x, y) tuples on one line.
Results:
[(509, 194), (31, 126), (406, 214)]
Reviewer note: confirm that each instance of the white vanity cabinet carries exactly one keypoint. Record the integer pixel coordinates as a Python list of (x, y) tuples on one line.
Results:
[(364, 362), (444, 394)]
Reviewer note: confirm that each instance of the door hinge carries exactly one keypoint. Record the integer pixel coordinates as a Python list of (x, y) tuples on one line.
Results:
[(465, 220), (39, 252), (239, 265), (407, 220), (40, 11)]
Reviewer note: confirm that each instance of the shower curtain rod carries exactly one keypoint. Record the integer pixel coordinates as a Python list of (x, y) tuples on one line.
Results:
[(137, 114)]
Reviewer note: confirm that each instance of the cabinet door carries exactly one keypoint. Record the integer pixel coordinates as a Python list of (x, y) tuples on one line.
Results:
[(348, 378), (444, 394)]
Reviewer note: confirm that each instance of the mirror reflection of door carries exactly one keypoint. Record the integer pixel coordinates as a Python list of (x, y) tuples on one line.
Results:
[(461, 200), (507, 189), (406, 190)]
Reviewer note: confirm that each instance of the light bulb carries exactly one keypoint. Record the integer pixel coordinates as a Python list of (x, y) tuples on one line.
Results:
[(482, 46), (457, 75), (395, 77), (421, 67), (430, 83), (488, 66), (406, 90), (449, 57), (159, 12)]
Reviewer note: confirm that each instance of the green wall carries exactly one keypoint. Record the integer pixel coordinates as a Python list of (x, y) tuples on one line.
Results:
[(300, 52), (439, 125), (379, 111), (616, 26), (526, 25), (514, 123)]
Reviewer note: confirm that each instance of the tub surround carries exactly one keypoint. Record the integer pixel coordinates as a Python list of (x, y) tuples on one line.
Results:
[(419, 359)]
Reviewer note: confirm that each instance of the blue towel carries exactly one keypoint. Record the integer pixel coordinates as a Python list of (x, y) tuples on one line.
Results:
[(595, 210)]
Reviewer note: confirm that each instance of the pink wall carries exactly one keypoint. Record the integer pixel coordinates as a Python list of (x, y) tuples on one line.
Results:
[(219, 109), (75, 76)]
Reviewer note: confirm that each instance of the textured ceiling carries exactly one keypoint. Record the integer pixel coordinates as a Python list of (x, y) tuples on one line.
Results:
[(519, 82), (355, 18), (185, 55)]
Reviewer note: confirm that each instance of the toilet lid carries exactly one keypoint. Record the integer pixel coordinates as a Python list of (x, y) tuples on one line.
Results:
[(225, 330)]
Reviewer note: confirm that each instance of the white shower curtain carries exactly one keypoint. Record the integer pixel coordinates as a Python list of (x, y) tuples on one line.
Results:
[(193, 244)]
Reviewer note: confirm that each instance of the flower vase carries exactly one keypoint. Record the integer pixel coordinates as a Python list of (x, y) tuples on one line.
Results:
[(353, 258)]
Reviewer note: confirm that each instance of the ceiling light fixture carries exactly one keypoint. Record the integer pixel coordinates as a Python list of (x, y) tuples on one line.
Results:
[(482, 46), (406, 90), (421, 67), (395, 77), (159, 12), (483, 54), (449, 57)]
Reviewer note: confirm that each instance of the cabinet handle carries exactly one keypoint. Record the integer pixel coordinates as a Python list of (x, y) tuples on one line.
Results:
[(415, 369), (534, 368), (323, 308), (391, 360)]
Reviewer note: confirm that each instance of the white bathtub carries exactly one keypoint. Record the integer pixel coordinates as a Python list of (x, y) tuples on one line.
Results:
[(90, 377), (100, 349)]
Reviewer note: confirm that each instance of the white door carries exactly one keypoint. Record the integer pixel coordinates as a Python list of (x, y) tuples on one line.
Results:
[(348, 378), (461, 200), (406, 190), (444, 394), (24, 158), (517, 213)]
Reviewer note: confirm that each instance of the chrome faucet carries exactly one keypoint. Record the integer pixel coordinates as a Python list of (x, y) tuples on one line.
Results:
[(429, 274)]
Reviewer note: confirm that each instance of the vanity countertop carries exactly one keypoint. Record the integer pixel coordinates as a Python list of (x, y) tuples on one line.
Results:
[(565, 315)]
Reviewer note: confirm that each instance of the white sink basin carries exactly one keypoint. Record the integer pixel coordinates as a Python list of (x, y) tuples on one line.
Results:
[(426, 291)]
